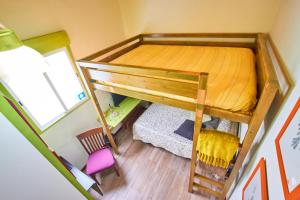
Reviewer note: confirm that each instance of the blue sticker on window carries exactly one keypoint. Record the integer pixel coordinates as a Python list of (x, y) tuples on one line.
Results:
[(81, 95)]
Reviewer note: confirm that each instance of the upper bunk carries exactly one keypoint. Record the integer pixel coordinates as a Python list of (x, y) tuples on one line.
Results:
[(232, 78), (165, 68)]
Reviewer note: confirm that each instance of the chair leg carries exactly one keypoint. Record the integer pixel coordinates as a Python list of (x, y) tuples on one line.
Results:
[(95, 179), (97, 188), (116, 168)]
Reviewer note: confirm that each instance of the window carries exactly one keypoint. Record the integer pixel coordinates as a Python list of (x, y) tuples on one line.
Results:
[(46, 93), (63, 79)]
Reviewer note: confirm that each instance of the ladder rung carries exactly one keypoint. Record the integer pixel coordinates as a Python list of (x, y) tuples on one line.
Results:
[(210, 181), (215, 193)]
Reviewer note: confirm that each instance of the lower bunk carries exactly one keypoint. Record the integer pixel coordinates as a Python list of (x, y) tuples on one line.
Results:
[(158, 124)]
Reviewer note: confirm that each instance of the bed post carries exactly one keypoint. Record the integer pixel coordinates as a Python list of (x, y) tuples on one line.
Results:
[(99, 110), (269, 90), (255, 123), (198, 123)]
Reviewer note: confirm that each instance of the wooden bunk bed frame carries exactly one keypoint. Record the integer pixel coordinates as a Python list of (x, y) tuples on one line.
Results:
[(183, 89)]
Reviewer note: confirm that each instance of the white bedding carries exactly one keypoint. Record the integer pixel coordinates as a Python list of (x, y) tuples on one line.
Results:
[(158, 123)]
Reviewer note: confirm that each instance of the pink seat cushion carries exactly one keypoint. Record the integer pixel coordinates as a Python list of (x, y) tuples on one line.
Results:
[(99, 161)]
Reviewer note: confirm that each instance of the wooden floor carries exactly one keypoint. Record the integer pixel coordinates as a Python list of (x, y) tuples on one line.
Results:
[(147, 172)]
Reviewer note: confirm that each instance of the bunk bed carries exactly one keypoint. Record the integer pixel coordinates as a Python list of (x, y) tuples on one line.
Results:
[(180, 70)]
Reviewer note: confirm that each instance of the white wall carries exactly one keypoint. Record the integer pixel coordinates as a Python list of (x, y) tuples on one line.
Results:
[(285, 32), (267, 150), (198, 15), (91, 25), (25, 173), (62, 136)]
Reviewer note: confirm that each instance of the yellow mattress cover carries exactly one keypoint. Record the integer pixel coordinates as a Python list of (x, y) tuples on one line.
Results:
[(232, 76)]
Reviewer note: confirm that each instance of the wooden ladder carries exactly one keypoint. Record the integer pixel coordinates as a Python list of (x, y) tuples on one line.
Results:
[(268, 94), (202, 85)]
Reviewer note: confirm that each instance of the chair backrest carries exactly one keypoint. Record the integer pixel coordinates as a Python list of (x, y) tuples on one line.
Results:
[(92, 140)]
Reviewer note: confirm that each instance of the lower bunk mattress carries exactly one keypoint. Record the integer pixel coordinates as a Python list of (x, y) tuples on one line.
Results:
[(158, 123)]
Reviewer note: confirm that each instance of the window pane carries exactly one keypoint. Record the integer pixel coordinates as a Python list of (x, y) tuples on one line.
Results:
[(22, 71), (64, 79), (38, 98)]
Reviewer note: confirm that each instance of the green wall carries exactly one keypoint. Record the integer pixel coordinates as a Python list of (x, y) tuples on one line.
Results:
[(8, 111), (43, 44)]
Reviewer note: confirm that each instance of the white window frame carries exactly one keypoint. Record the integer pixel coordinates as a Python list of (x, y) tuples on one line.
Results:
[(67, 111)]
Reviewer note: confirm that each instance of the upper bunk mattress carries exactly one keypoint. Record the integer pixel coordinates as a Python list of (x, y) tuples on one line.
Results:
[(231, 80)]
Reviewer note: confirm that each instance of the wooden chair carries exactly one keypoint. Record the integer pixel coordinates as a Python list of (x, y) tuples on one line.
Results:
[(100, 155)]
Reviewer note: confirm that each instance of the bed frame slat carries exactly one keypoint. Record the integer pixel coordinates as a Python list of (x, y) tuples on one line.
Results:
[(208, 180), (202, 43), (200, 35), (147, 83)]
